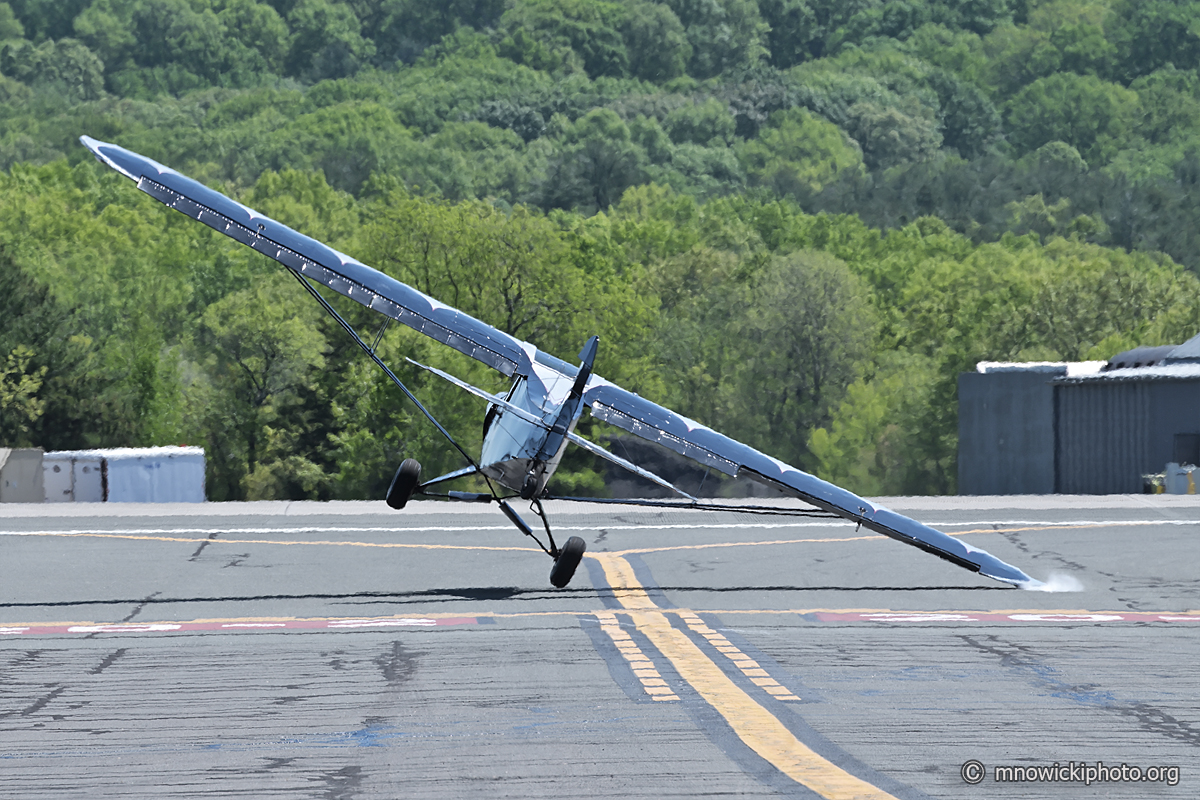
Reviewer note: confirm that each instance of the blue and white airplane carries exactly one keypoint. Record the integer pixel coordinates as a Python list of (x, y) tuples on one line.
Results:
[(527, 430)]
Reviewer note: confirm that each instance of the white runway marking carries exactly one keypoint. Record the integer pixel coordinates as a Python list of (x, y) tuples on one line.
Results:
[(999, 525)]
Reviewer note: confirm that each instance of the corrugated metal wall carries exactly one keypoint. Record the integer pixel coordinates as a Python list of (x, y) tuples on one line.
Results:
[(1005, 433), (1102, 441)]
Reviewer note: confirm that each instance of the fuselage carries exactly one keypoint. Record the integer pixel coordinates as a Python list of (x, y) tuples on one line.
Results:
[(523, 455)]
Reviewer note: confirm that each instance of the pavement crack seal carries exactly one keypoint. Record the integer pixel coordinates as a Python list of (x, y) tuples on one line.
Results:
[(1025, 663), (196, 555), (140, 607), (108, 661), (750, 721)]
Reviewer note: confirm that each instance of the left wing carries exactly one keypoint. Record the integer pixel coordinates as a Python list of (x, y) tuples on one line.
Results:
[(375, 290), (308, 257)]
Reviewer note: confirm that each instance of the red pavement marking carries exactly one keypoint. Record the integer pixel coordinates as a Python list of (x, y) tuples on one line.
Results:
[(1012, 616)]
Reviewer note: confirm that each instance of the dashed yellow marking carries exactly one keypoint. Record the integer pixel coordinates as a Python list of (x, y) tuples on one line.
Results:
[(652, 682), (752, 723), (749, 667)]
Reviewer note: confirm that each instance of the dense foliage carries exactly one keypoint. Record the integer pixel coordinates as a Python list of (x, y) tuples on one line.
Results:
[(795, 220)]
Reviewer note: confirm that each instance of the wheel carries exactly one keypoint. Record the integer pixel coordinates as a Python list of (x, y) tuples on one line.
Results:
[(568, 559), (408, 477)]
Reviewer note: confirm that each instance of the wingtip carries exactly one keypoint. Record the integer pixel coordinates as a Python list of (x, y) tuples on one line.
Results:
[(997, 570), (91, 144), (96, 146)]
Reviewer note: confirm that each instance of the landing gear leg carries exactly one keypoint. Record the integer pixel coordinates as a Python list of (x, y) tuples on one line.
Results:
[(567, 558)]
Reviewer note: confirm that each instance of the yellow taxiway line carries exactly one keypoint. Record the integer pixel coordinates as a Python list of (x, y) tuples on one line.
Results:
[(757, 727)]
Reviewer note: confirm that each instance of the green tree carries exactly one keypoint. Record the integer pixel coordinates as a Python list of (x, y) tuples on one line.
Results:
[(375, 427), (407, 27), (513, 272), (10, 26), (1169, 101), (759, 346), (797, 153), (1150, 35), (1016, 57), (65, 68), (260, 348), (1093, 116), (879, 441), (20, 407), (724, 34), (889, 136), (258, 37), (803, 335), (701, 123), (656, 42), (327, 41), (47, 19), (588, 28), (597, 162), (970, 123), (152, 47), (955, 51)]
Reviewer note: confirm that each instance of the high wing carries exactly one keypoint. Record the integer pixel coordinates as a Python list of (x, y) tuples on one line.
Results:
[(608, 402), (308, 257), (651, 421)]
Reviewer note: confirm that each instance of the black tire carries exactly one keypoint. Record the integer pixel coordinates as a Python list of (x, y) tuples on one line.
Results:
[(406, 481), (568, 559)]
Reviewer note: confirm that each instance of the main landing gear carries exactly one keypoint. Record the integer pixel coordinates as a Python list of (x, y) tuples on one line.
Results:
[(568, 559), (404, 484), (407, 482)]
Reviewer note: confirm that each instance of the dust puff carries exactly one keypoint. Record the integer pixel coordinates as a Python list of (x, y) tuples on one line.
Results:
[(1057, 582)]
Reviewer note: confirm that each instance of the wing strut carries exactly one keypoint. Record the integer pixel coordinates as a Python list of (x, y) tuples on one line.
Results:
[(596, 449), (370, 351)]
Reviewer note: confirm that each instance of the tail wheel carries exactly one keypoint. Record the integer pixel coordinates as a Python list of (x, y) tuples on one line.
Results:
[(404, 484), (568, 559)]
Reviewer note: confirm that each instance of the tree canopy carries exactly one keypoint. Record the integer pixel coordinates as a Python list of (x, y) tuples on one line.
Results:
[(794, 220)]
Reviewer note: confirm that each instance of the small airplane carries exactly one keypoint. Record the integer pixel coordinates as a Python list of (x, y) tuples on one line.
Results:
[(527, 430)]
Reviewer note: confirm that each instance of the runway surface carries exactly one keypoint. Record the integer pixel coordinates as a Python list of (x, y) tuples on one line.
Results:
[(345, 651)]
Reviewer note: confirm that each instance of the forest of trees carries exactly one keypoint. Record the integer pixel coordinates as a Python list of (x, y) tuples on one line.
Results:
[(794, 220)]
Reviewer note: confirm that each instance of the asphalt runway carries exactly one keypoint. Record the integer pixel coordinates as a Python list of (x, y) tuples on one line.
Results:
[(344, 650)]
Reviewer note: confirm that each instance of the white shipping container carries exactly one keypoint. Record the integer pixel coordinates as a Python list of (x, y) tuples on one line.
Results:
[(56, 479), (126, 475)]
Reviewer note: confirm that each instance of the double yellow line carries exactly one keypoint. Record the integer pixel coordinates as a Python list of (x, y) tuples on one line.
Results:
[(757, 727)]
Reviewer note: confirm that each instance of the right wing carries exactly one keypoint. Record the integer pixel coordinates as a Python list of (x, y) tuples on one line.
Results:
[(655, 423)]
